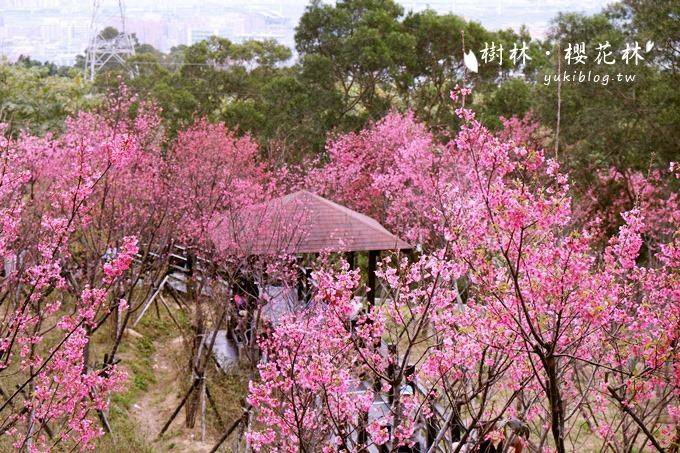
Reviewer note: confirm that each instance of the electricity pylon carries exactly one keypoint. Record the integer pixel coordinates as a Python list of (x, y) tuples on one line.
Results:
[(106, 49)]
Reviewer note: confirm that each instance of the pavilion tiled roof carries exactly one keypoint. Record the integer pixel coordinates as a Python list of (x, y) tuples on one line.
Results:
[(303, 222)]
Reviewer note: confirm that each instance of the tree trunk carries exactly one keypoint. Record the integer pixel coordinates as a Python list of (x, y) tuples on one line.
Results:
[(556, 404)]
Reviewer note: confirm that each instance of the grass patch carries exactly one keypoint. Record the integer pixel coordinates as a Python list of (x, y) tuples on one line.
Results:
[(136, 356), (125, 436)]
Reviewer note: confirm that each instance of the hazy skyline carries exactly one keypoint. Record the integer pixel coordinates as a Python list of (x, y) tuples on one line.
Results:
[(58, 30)]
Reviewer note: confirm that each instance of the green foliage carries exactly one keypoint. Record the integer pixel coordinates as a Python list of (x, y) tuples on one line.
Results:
[(437, 66), (378, 59), (628, 125), (36, 98), (512, 98), (358, 59), (361, 45)]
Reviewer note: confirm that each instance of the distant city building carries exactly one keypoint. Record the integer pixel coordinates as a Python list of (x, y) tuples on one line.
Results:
[(195, 36)]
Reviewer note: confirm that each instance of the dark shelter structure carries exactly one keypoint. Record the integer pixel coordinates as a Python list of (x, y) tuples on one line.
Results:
[(305, 223)]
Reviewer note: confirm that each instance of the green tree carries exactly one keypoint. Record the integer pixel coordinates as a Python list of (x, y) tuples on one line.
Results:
[(355, 51), (437, 65), (34, 98), (513, 97), (626, 124), (369, 57)]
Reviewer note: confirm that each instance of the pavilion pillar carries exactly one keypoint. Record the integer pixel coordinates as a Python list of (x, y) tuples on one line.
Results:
[(372, 261), (304, 291), (300, 282), (351, 260)]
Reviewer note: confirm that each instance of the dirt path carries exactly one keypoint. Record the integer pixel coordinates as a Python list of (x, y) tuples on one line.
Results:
[(154, 408)]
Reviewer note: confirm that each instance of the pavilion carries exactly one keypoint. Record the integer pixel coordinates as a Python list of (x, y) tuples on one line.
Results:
[(306, 223), (303, 223)]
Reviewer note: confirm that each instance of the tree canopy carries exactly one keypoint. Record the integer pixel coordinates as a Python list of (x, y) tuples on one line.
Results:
[(357, 60)]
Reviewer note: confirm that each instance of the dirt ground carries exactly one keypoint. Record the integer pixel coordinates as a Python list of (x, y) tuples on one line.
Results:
[(154, 408)]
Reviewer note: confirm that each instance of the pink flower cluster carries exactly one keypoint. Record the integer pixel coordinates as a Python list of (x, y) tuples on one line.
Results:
[(122, 261)]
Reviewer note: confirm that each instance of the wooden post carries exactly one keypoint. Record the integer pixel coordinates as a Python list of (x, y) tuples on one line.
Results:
[(203, 407), (227, 433), (362, 436), (372, 260), (179, 408), (307, 279), (456, 425), (300, 283), (351, 260), (198, 329)]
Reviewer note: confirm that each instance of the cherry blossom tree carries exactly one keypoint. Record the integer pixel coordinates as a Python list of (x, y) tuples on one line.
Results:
[(615, 191), (110, 203), (513, 317), (391, 171), (47, 196), (212, 176)]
